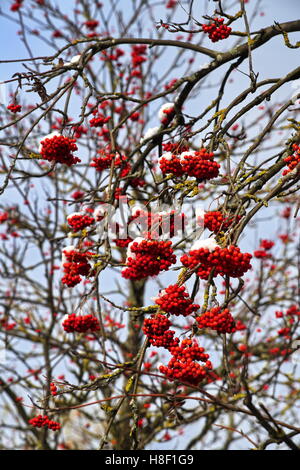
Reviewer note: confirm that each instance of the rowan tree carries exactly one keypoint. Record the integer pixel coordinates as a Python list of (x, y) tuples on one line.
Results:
[(149, 231)]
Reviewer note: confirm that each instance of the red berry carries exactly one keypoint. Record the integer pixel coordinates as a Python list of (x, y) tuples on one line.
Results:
[(176, 301), (81, 323), (218, 320)]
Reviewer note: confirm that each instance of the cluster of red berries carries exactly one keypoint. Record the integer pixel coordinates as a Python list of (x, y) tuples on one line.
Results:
[(277, 352), (59, 149), (240, 326), (6, 325), (99, 120), (183, 365), (81, 323), (170, 164), (200, 164), (138, 55), (75, 266), (91, 24), (262, 252), (43, 421), (148, 258), (79, 131), (104, 162), (168, 114), (3, 217), (136, 182), (175, 147), (118, 52), (284, 332), (156, 328), (285, 238), (53, 389), (79, 221), (216, 29), (57, 34), (16, 5), (176, 301), (172, 82), (225, 261), (215, 221), (77, 195), (292, 160), (267, 244), (14, 108), (122, 242), (218, 320), (122, 164), (135, 116), (171, 4), (293, 310)]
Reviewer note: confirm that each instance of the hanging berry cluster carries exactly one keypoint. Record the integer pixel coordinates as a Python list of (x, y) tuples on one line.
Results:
[(215, 221), (183, 366), (171, 4), (225, 261), (166, 113), (75, 264), (218, 320), (6, 325), (91, 24), (122, 242), (58, 148), (216, 29), (147, 258), (263, 251), (99, 119), (293, 311), (78, 221), (292, 160), (81, 323), (118, 52), (4, 216), (157, 331), (175, 147), (138, 55), (53, 389), (199, 164), (169, 163), (176, 301), (44, 422), (16, 5), (14, 108), (104, 162)]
